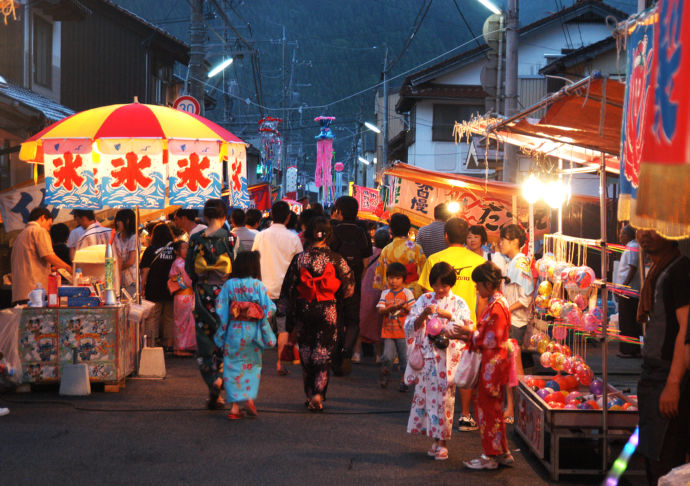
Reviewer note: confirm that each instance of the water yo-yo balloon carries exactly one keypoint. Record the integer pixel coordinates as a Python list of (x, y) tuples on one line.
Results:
[(545, 288), (434, 326), (545, 359), (596, 386)]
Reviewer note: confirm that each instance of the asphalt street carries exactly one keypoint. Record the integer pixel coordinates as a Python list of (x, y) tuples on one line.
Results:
[(158, 432)]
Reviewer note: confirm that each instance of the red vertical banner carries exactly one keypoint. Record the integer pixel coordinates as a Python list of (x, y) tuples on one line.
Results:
[(663, 199)]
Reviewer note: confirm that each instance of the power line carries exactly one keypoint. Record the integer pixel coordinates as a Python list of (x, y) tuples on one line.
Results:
[(422, 11)]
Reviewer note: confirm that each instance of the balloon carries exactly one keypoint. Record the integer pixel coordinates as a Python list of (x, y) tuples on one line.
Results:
[(584, 377), (553, 385), (615, 408), (545, 288), (570, 382), (571, 406), (591, 321), (542, 301), (434, 326), (541, 345), (536, 382), (566, 350), (545, 359), (568, 365), (557, 361), (555, 307), (579, 301), (544, 392), (575, 317), (534, 339), (629, 406), (585, 406), (573, 396), (594, 405), (555, 397), (556, 405), (596, 386)]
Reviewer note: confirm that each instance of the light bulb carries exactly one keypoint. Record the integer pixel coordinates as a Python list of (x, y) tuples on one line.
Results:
[(555, 194), (532, 189)]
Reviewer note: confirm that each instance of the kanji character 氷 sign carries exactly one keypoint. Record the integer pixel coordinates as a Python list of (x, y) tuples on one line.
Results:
[(71, 177), (132, 173), (237, 176), (194, 172)]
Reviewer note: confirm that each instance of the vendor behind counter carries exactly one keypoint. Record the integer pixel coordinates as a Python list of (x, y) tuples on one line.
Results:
[(32, 256)]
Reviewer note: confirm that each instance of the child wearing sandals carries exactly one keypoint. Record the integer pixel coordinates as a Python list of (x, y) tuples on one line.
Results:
[(434, 318), (244, 309)]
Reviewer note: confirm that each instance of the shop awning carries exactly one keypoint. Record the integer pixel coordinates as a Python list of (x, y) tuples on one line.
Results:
[(582, 122)]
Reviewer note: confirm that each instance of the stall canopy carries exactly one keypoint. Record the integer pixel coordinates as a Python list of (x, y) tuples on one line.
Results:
[(582, 122)]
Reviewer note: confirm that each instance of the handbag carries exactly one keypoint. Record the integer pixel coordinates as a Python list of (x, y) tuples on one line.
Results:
[(467, 374), (416, 358)]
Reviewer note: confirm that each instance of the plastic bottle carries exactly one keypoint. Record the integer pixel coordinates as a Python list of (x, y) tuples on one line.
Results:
[(37, 296), (77, 276), (53, 300)]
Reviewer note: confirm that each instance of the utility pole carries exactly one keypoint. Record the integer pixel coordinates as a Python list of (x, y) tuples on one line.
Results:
[(384, 131), (510, 151), (197, 71), (283, 149)]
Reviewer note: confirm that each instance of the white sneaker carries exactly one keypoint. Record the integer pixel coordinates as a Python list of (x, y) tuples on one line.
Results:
[(356, 358), (4, 411)]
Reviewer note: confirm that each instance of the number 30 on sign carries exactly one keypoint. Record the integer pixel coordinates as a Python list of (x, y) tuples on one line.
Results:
[(188, 104)]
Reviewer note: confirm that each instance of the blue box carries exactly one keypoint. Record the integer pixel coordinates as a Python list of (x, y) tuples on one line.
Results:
[(73, 291), (89, 301)]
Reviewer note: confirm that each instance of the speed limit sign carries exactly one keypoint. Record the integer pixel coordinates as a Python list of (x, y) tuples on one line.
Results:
[(188, 104)]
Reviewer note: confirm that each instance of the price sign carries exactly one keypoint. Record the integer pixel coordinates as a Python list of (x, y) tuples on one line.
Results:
[(188, 104)]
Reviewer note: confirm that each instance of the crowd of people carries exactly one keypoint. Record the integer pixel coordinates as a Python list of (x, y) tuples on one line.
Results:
[(320, 286)]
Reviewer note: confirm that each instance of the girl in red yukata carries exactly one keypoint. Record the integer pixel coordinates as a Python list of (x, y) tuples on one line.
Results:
[(491, 340)]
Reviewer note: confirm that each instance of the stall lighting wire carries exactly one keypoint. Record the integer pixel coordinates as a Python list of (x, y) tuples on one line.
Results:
[(79, 408)]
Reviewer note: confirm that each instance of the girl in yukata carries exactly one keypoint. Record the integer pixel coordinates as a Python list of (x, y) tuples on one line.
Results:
[(244, 308), (434, 396), (180, 286), (491, 340), (315, 285)]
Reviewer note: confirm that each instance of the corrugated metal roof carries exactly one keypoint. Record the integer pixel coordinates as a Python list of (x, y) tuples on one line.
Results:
[(52, 110)]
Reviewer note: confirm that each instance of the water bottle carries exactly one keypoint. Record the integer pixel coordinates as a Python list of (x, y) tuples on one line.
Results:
[(37, 296)]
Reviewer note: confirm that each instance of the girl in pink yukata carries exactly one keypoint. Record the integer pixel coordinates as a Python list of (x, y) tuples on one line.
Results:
[(434, 395), (180, 286)]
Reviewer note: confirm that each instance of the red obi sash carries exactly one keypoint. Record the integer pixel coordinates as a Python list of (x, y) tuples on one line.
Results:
[(246, 311), (412, 275), (321, 288)]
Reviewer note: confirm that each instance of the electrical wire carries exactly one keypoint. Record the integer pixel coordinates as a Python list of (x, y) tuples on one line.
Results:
[(358, 93), (423, 11)]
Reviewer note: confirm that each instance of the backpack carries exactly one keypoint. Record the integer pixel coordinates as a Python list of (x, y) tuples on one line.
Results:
[(351, 249)]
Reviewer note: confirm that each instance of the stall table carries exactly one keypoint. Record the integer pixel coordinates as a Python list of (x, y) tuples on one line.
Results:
[(101, 337), (544, 428)]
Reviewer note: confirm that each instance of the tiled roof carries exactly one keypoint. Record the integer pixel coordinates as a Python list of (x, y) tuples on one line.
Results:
[(577, 56), (52, 110)]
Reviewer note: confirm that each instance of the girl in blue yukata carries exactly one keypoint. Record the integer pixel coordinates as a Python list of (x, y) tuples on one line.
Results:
[(244, 309)]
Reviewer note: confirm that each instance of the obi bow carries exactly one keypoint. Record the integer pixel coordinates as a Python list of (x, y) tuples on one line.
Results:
[(412, 275), (246, 311), (321, 288)]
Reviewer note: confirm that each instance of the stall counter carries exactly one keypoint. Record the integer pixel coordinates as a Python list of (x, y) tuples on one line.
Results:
[(101, 337)]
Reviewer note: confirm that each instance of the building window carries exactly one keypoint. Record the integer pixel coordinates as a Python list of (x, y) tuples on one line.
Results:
[(43, 52), (445, 117)]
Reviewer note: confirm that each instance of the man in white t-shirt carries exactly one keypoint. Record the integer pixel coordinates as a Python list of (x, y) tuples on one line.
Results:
[(629, 275), (94, 233), (277, 245)]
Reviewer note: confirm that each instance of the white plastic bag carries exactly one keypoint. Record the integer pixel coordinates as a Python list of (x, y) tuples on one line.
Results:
[(467, 374)]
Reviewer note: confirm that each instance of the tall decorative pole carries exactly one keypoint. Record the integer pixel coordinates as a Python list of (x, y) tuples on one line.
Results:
[(271, 147), (324, 156)]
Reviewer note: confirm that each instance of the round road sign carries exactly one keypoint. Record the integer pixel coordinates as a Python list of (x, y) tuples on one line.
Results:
[(188, 104)]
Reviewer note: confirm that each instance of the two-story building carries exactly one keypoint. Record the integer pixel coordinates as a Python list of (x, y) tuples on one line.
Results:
[(62, 56), (433, 99)]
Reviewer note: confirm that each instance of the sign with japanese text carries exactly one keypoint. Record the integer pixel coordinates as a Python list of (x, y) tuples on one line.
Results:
[(291, 179), (476, 207), (260, 196), (369, 199), (237, 176), (71, 177), (194, 172), (132, 173), (16, 204), (529, 421)]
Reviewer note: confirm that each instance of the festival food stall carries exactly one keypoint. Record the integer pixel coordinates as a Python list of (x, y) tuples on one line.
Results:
[(119, 156)]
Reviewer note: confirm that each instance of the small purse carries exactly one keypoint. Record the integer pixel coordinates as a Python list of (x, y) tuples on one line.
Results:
[(467, 374), (416, 358)]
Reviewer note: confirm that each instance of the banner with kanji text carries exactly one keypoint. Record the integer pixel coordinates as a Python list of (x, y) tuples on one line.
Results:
[(369, 199), (194, 172), (260, 196), (71, 177), (132, 173), (237, 176)]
